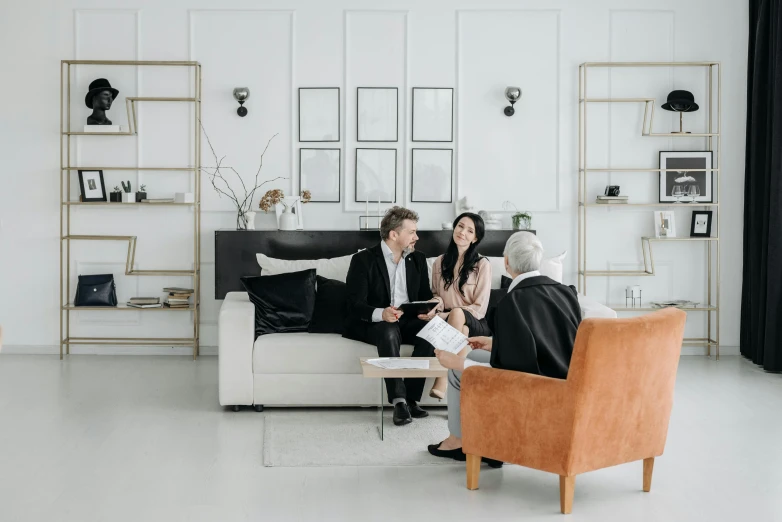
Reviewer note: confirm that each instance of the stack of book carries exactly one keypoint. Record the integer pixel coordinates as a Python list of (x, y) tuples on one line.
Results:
[(144, 302), (178, 297), (611, 200)]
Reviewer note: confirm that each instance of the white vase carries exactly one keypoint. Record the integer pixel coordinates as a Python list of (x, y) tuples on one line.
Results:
[(128, 197), (288, 220), (250, 220)]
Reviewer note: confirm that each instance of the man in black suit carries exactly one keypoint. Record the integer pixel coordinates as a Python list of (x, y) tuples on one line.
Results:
[(380, 279)]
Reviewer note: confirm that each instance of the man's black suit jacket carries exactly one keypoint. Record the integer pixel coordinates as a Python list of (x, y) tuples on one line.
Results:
[(369, 287)]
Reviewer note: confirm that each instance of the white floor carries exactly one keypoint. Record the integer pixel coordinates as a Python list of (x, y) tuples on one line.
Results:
[(143, 439)]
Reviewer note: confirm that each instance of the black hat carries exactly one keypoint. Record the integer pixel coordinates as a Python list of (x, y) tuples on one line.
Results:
[(681, 101), (101, 84)]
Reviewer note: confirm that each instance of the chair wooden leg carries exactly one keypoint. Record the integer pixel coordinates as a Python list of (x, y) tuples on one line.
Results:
[(567, 487), (473, 471), (648, 468)]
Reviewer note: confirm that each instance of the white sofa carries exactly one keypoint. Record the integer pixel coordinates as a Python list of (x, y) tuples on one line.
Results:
[(303, 369)]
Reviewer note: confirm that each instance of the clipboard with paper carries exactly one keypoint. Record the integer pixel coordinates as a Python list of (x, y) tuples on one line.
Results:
[(443, 336)]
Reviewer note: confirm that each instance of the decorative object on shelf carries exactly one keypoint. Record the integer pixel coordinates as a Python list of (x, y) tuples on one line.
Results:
[(376, 175), (184, 197), (701, 223), (127, 195), (433, 114), (491, 221), (141, 193), (463, 205), (369, 222), (612, 190), (91, 185), (446, 225), (688, 178), (99, 98), (319, 114), (611, 200), (520, 220), (288, 209), (632, 293), (242, 199), (680, 101), (319, 172), (377, 115), (432, 176), (512, 94), (674, 303), (116, 195), (242, 94), (250, 219), (95, 290), (664, 224)]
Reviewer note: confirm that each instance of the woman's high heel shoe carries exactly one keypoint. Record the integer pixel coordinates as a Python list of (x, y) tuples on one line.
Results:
[(436, 394)]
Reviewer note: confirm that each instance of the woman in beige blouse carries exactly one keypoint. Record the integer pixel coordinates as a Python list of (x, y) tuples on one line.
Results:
[(461, 281)]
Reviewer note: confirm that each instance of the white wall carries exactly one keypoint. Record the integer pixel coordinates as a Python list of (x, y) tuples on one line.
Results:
[(275, 47)]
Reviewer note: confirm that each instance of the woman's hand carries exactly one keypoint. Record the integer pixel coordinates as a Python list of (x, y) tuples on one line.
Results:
[(480, 343), (429, 316), (450, 360)]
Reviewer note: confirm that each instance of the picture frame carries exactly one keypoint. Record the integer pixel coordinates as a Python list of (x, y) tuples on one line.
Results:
[(320, 173), (295, 202), (377, 114), (319, 113), (432, 118), (432, 176), (667, 217), (685, 185), (700, 225), (375, 175), (91, 186)]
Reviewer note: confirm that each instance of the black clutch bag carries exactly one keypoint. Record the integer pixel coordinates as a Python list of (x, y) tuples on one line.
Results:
[(96, 290)]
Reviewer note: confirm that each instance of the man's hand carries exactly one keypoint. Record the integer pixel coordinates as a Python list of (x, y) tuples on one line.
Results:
[(480, 343), (391, 314), (450, 360)]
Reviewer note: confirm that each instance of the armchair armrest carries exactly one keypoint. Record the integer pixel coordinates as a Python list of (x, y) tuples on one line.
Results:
[(517, 417), (235, 339)]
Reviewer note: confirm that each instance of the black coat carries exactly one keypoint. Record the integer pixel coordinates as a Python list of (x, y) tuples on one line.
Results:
[(369, 287), (535, 328)]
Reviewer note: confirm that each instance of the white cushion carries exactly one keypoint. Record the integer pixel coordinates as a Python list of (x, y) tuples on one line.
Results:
[(550, 267), (334, 268)]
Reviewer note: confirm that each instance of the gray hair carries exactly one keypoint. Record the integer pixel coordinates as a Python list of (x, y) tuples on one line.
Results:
[(395, 218), (524, 252)]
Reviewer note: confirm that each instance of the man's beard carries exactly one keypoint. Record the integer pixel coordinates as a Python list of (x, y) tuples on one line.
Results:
[(410, 249)]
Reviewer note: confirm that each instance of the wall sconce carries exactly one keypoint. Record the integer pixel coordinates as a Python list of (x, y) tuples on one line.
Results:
[(241, 94), (512, 94)]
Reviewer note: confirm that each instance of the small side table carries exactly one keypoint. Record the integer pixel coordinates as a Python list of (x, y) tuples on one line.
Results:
[(368, 370)]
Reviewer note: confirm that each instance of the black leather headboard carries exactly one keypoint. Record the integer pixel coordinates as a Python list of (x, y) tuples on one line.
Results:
[(235, 250)]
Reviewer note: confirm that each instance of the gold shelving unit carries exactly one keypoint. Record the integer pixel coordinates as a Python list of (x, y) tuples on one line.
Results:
[(712, 244), (66, 204)]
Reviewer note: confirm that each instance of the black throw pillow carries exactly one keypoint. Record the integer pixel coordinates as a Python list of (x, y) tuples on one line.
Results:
[(283, 303), (330, 304), (505, 282)]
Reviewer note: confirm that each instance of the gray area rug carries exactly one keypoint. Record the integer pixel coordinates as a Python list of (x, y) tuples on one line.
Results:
[(315, 438)]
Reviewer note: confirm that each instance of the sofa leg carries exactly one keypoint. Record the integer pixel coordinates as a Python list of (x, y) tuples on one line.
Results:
[(473, 471), (235, 407), (567, 487), (258, 407), (648, 468)]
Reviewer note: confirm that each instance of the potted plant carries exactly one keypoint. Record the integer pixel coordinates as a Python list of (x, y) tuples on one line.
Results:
[(116, 195), (520, 220), (127, 195), (141, 194)]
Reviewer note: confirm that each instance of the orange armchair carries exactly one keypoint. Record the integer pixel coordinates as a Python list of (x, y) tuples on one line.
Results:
[(613, 408)]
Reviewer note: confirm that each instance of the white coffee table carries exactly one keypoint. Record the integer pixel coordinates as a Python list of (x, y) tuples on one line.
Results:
[(435, 370)]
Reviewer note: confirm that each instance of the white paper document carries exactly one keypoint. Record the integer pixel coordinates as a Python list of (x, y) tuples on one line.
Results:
[(393, 363), (443, 336)]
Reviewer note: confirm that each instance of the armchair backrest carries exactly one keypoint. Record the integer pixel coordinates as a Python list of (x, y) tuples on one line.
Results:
[(622, 375)]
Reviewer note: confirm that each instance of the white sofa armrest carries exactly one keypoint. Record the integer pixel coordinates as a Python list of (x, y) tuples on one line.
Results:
[(235, 339), (591, 308)]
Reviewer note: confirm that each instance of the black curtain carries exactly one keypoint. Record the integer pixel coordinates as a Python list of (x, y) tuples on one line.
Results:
[(761, 296)]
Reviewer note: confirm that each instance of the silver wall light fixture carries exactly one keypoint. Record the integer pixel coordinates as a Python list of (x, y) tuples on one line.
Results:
[(512, 94), (241, 94)]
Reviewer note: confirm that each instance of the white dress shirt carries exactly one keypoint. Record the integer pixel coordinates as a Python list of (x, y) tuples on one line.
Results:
[(397, 276), (516, 280)]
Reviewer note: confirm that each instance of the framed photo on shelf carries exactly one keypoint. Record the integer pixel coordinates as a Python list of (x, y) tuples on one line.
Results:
[(91, 185), (664, 224), (433, 114), (376, 175), (682, 184), (701, 223), (319, 114), (432, 176), (377, 115), (295, 203), (319, 172)]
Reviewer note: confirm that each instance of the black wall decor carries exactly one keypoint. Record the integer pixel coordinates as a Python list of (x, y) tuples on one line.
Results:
[(99, 98), (363, 174), (331, 131), (318, 163), (432, 178), (365, 112), (420, 134)]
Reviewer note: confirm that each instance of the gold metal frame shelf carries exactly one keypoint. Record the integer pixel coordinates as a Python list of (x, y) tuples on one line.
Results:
[(712, 137), (66, 203)]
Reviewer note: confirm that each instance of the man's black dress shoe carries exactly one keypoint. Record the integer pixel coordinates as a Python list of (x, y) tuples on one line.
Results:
[(455, 454), (416, 411), (492, 463), (402, 414)]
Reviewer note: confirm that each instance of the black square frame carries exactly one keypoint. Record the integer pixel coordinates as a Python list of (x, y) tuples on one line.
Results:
[(396, 139), (412, 178), (102, 186), (412, 117), (339, 175), (355, 173), (708, 214), (339, 115)]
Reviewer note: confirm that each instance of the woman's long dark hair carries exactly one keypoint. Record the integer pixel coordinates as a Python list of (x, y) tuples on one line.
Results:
[(471, 256)]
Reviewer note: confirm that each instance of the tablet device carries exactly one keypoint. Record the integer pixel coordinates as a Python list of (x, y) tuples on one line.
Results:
[(417, 308)]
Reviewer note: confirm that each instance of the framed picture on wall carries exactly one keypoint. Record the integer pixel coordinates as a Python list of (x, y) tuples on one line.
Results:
[(319, 114), (433, 114), (377, 115), (432, 176), (319, 172), (376, 175), (701, 223), (681, 184), (91, 185)]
